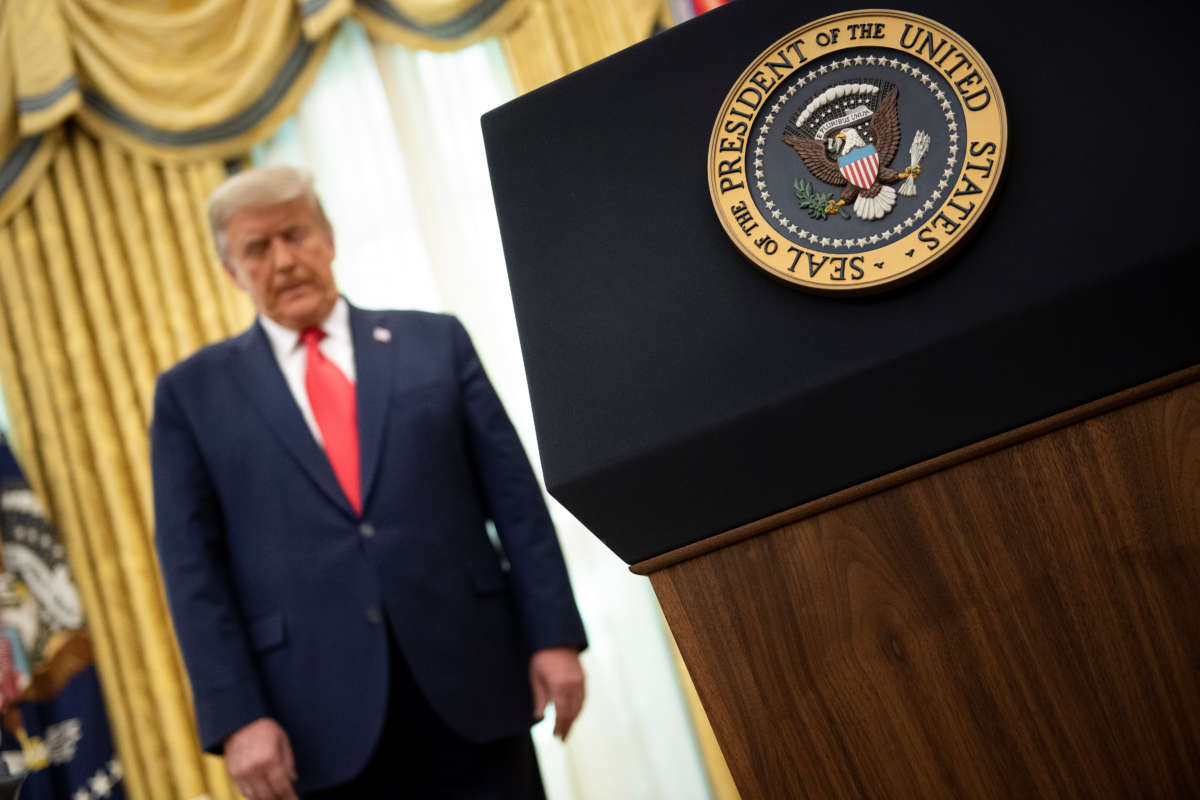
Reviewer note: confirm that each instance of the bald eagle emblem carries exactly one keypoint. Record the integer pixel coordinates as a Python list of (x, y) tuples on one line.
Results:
[(848, 136)]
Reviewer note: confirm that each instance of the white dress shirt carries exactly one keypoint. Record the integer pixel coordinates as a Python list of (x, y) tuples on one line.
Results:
[(290, 353)]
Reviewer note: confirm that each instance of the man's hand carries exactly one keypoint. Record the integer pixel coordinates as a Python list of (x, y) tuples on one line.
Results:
[(259, 759), (557, 678)]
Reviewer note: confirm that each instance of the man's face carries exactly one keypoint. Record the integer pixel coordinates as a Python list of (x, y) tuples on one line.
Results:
[(282, 255)]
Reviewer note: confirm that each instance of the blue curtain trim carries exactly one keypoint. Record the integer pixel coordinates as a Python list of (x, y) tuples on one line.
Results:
[(27, 105), (470, 19), (17, 160), (310, 7), (230, 128)]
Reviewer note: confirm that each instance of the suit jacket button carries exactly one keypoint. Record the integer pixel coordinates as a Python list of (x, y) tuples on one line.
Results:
[(374, 615), (367, 529)]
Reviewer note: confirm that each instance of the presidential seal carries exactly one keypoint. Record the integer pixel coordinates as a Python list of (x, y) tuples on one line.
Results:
[(857, 151)]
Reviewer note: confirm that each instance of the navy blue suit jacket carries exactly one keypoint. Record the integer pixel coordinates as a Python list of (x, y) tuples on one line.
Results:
[(280, 593)]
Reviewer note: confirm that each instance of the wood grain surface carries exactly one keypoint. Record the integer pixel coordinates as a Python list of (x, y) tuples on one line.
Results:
[(1024, 624)]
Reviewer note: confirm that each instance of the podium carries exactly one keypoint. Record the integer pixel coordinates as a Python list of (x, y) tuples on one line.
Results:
[(941, 541)]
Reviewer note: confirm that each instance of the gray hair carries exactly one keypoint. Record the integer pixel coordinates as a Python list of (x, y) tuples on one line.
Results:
[(263, 186)]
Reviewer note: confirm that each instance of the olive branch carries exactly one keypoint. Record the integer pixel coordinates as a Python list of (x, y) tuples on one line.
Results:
[(812, 202)]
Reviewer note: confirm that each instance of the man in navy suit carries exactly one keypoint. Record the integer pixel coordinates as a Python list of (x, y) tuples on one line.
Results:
[(322, 487)]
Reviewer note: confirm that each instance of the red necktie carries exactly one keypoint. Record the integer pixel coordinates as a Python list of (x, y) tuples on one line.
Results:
[(331, 395)]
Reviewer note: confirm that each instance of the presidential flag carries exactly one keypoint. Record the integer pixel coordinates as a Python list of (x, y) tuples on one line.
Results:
[(53, 725)]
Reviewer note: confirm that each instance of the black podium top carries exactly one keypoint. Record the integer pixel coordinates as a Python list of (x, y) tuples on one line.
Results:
[(678, 391)]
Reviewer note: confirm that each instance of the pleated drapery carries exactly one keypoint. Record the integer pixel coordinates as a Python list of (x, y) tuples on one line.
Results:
[(189, 79), (559, 36), (107, 278)]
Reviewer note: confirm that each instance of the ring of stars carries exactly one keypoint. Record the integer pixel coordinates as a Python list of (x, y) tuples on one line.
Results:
[(927, 80)]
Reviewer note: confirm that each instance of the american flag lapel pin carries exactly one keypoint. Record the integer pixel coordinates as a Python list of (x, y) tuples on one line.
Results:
[(383, 335)]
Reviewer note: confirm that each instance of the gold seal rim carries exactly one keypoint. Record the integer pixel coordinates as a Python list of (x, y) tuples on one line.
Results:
[(904, 274)]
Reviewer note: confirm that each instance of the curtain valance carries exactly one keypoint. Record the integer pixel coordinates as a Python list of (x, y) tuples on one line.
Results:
[(181, 80)]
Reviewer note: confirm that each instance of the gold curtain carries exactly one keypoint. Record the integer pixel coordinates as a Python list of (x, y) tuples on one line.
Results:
[(188, 79), (191, 80), (106, 278), (560, 36)]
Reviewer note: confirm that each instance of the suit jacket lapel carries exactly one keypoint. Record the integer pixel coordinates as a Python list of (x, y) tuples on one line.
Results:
[(373, 357), (258, 374)]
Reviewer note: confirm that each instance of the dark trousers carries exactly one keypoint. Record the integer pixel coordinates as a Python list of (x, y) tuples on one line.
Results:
[(418, 756)]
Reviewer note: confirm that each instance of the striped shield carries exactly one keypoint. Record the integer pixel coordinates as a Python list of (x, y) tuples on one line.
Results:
[(861, 166)]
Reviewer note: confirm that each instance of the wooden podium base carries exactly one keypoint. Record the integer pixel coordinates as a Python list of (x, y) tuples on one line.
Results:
[(1019, 618)]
